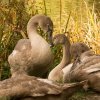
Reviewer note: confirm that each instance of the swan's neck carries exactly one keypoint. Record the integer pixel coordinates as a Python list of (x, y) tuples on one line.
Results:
[(54, 74), (32, 35), (32, 32), (32, 29), (66, 56)]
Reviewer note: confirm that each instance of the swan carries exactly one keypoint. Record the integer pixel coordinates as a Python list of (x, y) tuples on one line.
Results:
[(88, 69), (77, 49), (33, 56), (61, 72), (57, 73), (25, 87)]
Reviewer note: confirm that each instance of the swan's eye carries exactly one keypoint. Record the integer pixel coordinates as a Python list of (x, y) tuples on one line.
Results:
[(49, 28), (83, 51)]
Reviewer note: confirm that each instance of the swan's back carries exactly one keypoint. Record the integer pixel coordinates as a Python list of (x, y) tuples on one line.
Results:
[(88, 69), (77, 49)]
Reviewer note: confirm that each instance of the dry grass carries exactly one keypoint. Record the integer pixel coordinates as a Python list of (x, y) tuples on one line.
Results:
[(83, 25)]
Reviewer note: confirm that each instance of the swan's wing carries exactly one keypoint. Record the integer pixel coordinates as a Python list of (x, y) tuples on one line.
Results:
[(67, 69), (92, 64), (25, 86), (21, 50), (66, 72), (23, 45), (92, 69), (20, 55)]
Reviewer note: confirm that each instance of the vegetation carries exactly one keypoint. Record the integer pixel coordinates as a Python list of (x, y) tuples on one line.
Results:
[(79, 19)]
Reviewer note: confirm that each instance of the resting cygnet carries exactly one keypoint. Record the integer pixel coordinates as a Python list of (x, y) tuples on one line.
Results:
[(33, 56)]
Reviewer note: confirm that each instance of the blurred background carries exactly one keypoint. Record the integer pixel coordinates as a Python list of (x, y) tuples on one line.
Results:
[(79, 19)]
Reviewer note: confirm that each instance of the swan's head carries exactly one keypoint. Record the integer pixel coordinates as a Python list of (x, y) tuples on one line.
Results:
[(44, 23), (47, 26), (77, 49), (60, 39)]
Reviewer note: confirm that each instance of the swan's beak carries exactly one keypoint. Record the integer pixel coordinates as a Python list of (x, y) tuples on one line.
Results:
[(50, 38), (49, 32)]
